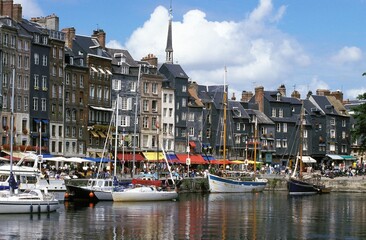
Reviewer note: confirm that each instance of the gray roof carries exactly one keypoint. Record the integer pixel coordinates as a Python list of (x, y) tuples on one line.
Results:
[(261, 117), (174, 69), (129, 59), (236, 106)]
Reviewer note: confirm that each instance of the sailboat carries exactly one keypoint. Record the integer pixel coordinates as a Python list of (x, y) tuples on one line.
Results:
[(36, 200), (298, 183), (138, 193), (98, 189), (229, 183)]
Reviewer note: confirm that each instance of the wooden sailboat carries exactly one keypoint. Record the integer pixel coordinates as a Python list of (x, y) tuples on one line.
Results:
[(298, 184), (234, 183)]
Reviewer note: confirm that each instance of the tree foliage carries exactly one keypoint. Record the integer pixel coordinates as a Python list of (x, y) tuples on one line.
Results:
[(359, 130)]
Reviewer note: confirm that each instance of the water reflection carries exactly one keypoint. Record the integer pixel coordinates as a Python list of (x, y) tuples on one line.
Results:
[(195, 216)]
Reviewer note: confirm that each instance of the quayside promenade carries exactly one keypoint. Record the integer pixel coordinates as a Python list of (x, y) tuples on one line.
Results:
[(278, 183)]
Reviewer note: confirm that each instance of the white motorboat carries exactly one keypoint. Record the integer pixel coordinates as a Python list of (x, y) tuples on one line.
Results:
[(30, 201), (144, 193), (231, 185)]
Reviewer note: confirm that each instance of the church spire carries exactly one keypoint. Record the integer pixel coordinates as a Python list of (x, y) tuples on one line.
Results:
[(169, 44)]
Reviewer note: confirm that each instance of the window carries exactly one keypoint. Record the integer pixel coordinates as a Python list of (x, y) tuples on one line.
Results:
[(54, 50), (35, 104), (91, 92), (238, 126), (184, 88), (278, 143), (332, 133), (19, 103), (146, 87), (305, 133), (284, 127), (133, 86), (278, 127), (191, 116), (191, 131), (280, 113), (155, 88), (343, 135), (154, 123), (26, 62), (237, 139), (165, 96), (170, 98), (74, 79), (125, 121), (44, 83), (343, 123), (184, 102), (170, 112), (20, 61), (145, 122), (145, 106), (60, 72), (36, 82), (36, 59), (25, 103), (44, 60), (81, 81), (154, 105), (273, 112), (43, 104), (332, 121)]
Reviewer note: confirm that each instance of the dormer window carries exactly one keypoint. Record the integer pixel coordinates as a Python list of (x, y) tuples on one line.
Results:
[(236, 112), (36, 38), (278, 96)]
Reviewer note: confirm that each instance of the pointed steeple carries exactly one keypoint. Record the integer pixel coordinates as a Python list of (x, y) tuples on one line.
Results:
[(169, 43)]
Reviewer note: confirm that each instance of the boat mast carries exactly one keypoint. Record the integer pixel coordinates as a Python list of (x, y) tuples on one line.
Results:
[(135, 122), (255, 145), (116, 133), (12, 181), (225, 105), (301, 140)]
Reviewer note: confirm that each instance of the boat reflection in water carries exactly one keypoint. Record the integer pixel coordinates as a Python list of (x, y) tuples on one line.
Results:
[(268, 215)]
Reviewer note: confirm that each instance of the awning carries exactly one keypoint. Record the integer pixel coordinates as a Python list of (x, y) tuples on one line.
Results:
[(195, 159), (20, 155), (36, 120), (129, 157), (208, 158), (151, 156), (45, 120), (99, 154), (349, 157), (102, 134), (192, 144), (172, 158), (109, 72), (307, 159), (94, 134), (102, 108), (97, 160), (94, 69), (101, 70), (334, 157)]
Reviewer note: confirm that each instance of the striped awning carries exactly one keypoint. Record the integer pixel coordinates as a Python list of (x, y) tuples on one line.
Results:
[(94, 134), (152, 156)]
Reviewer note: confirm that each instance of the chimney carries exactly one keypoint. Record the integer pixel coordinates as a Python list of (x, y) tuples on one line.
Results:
[(6, 8), (69, 36), (151, 59), (246, 96), (259, 98), (338, 95), (233, 97), (295, 94), (51, 22), (282, 89), (322, 92), (17, 12), (100, 35)]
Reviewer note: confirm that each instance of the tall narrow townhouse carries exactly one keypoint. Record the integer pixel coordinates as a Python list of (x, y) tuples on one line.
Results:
[(39, 85), (125, 88), (150, 113), (88, 97), (56, 83)]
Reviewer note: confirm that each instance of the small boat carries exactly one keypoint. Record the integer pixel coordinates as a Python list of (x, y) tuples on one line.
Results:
[(300, 183), (144, 193), (29, 201), (231, 185)]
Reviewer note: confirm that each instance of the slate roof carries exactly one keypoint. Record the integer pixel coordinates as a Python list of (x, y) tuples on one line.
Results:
[(86, 45), (129, 59), (261, 117), (174, 69), (271, 96), (236, 106)]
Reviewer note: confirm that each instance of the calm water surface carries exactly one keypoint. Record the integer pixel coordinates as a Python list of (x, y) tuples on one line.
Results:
[(212, 216)]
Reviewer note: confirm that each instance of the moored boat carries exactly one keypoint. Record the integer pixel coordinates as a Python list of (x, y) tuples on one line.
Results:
[(144, 193), (30, 201), (219, 184)]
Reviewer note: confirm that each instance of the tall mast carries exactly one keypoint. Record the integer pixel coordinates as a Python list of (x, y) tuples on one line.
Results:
[(301, 139), (255, 144), (225, 105), (135, 122)]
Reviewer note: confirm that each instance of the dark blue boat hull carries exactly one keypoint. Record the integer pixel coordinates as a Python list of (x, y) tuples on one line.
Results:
[(298, 187)]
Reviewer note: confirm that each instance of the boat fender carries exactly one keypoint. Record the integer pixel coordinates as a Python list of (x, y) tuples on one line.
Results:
[(66, 195), (91, 194)]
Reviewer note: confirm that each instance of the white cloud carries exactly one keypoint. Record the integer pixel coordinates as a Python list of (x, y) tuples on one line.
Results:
[(348, 54), (355, 92), (114, 44), (253, 49), (30, 8)]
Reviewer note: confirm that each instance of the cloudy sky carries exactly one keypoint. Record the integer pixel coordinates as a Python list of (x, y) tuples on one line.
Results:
[(304, 44)]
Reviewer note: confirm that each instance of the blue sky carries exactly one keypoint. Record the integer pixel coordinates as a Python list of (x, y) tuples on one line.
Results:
[(304, 44)]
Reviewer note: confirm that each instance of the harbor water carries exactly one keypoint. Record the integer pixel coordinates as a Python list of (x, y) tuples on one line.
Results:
[(268, 215)]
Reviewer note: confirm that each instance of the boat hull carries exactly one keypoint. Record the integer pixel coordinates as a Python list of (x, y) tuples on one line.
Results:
[(103, 195), (298, 187), (8, 206), (223, 185), (80, 193), (143, 194)]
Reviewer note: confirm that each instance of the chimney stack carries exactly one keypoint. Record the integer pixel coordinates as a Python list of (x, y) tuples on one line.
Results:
[(151, 59), (246, 96), (233, 97), (69, 36), (100, 35), (259, 98), (282, 89)]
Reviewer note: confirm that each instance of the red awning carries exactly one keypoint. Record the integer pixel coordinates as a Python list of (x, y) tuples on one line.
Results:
[(129, 157), (220, 162), (195, 159), (192, 144)]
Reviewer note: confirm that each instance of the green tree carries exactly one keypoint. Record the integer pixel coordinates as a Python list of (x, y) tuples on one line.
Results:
[(359, 130)]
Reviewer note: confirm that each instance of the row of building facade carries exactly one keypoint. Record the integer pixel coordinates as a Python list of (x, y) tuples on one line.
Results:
[(68, 88)]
